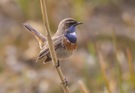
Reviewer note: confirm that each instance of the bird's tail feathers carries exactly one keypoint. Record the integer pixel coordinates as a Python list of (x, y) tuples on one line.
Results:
[(40, 38)]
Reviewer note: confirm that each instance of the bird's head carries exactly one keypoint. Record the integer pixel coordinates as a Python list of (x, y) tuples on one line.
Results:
[(67, 25)]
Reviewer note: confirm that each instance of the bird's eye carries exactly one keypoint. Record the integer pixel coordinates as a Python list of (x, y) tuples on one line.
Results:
[(71, 23)]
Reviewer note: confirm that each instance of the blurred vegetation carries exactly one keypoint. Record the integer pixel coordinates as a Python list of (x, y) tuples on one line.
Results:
[(103, 62)]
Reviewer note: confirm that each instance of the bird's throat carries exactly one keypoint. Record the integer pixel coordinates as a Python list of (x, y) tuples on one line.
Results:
[(71, 37)]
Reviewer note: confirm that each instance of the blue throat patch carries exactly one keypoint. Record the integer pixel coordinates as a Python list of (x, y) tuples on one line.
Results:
[(71, 35)]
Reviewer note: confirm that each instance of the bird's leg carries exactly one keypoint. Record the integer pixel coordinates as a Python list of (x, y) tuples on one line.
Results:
[(58, 64), (65, 83)]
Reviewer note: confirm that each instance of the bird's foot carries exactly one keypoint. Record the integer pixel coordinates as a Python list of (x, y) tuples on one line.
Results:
[(58, 64), (65, 83)]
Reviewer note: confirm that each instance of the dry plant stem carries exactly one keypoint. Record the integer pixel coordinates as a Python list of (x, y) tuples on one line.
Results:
[(103, 69), (83, 87), (117, 61), (51, 46), (130, 65)]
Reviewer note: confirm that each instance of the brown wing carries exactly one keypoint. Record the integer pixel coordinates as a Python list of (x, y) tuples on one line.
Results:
[(45, 53)]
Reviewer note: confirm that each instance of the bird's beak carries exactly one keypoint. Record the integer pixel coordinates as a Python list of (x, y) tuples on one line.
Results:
[(78, 23)]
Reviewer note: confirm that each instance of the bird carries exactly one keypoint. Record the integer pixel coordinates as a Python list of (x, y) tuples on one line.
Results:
[(64, 40)]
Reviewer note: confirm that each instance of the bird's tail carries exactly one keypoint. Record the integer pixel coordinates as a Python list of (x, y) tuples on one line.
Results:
[(40, 38)]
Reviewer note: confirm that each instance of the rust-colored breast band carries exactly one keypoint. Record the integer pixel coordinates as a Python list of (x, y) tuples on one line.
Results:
[(68, 45)]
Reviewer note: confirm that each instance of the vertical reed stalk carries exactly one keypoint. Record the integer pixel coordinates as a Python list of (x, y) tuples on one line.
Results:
[(130, 65), (103, 69), (119, 72), (51, 46), (83, 87)]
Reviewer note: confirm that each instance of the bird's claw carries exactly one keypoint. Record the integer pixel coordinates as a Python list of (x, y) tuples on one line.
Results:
[(58, 64), (65, 83)]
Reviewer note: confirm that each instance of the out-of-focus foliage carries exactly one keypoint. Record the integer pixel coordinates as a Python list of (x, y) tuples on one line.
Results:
[(103, 62)]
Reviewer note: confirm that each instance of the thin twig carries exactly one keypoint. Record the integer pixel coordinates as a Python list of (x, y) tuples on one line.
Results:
[(50, 44)]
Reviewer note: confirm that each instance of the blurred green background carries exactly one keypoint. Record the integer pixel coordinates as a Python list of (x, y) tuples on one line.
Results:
[(103, 62)]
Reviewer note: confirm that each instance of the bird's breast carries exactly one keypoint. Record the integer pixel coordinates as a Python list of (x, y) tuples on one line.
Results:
[(68, 45), (66, 49)]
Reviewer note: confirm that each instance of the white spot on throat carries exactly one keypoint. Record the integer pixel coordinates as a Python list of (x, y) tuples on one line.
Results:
[(73, 33)]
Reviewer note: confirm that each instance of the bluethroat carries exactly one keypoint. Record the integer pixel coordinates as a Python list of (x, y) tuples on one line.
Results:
[(64, 40)]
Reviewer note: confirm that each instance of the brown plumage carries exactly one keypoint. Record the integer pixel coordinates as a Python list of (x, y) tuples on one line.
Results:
[(64, 48)]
